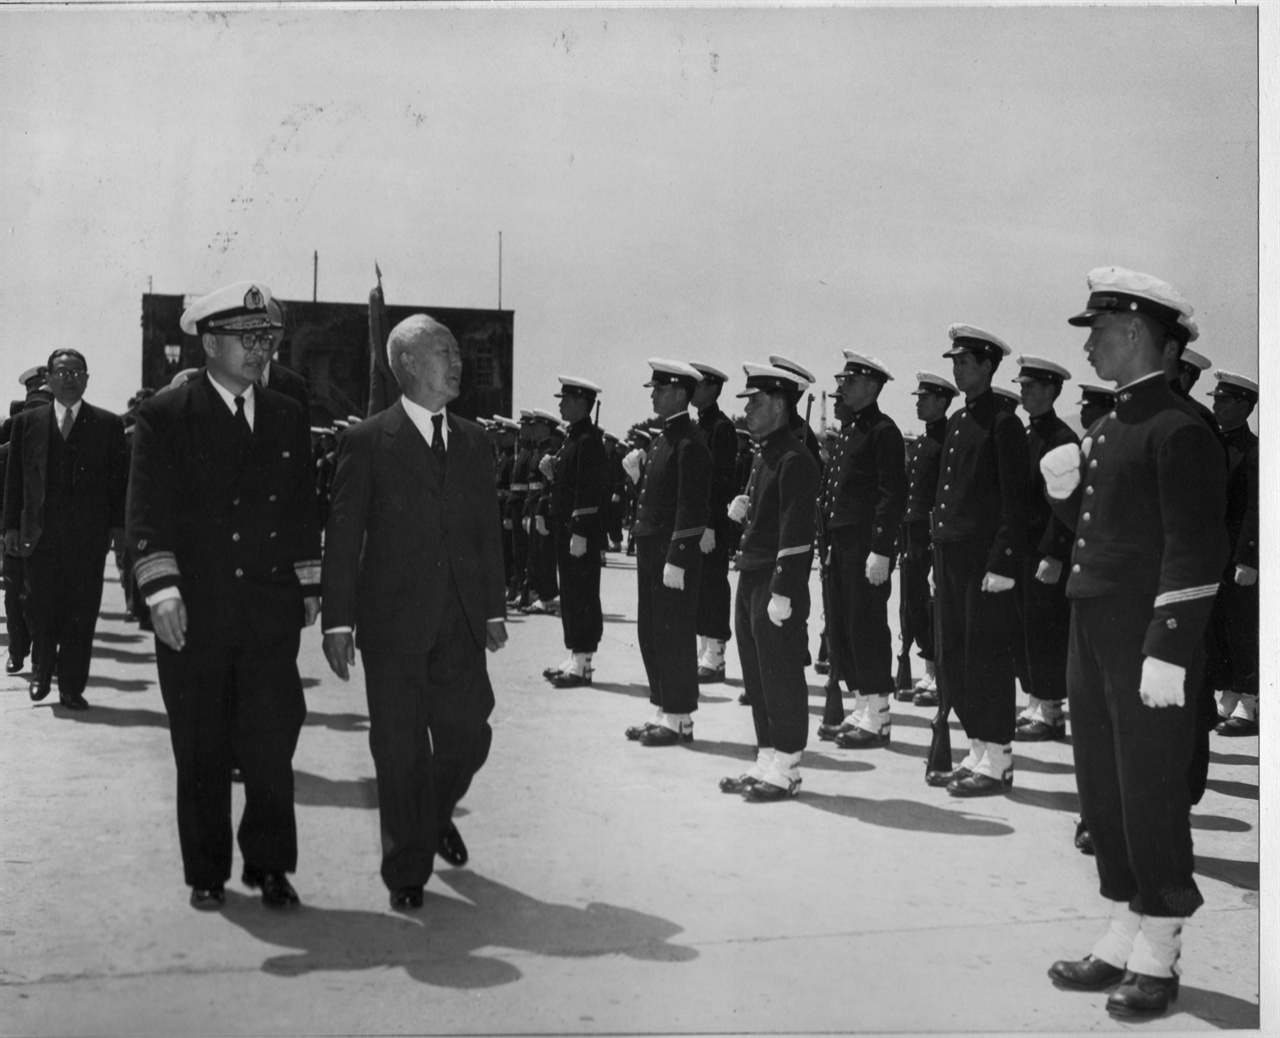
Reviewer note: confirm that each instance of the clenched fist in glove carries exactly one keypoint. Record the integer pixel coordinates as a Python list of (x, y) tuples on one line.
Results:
[(547, 466), (673, 576), (994, 582), (708, 542), (738, 508), (527, 523), (779, 609), (877, 569), (1061, 470), (1162, 683), (631, 464), (1049, 571), (1246, 576), (577, 545), (540, 524)]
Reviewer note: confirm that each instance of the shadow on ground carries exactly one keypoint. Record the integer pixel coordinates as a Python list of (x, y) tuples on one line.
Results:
[(1231, 788), (113, 717), (630, 689), (342, 722), (310, 790), (1214, 1007), (746, 752), (906, 814), (120, 684), (455, 942), (1242, 874)]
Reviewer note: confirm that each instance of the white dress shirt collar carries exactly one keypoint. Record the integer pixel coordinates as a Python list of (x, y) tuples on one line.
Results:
[(60, 412), (229, 398), (421, 417)]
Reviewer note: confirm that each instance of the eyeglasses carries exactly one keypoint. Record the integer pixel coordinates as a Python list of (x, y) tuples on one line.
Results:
[(67, 374), (254, 340)]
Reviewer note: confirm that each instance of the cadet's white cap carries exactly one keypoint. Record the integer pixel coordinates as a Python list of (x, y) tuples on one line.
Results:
[(968, 338)]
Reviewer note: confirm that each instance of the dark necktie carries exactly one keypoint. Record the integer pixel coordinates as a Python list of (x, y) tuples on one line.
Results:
[(242, 419), (437, 437), (67, 419)]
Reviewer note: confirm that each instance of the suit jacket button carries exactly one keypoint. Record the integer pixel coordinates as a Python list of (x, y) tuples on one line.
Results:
[(239, 573), (235, 536), (1075, 568), (1171, 623)]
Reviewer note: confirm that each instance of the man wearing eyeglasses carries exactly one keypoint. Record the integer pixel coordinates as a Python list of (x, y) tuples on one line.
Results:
[(63, 507), (223, 524)]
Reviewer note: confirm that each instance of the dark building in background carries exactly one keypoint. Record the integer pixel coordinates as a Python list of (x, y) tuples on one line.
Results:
[(328, 343)]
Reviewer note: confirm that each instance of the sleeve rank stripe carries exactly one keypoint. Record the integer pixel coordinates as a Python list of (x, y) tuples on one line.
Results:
[(308, 572), (695, 531), (794, 551), (1186, 595), (584, 511), (156, 566)]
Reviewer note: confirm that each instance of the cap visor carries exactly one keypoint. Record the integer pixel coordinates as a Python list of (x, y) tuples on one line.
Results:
[(1084, 318), (746, 392)]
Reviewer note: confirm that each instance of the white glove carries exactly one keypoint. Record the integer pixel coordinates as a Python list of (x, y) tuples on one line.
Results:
[(1061, 470), (540, 524), (527, 523), (779, 609), (673, 576), (615, 499), (1246, 576), (877, 569), (708, 542), (1162, 683), (577, 545), (631, 464), (738, 508), (994, 582), (933, 588), (547, 466), (507, 524), (1049, 571)]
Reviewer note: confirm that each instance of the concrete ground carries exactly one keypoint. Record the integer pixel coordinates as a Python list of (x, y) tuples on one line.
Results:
[(611, 889)]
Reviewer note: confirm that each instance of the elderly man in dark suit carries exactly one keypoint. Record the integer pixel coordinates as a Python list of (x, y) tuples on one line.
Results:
[(413, 575), (225, 533), (63, 507)]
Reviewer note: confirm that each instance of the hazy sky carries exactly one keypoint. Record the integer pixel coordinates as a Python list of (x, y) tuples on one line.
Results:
[(702, 184)]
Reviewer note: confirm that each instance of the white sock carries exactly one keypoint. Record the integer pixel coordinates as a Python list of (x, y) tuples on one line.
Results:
[(784, 769), (859, 711), (1116, 944), (764, 758), (714, 655), (1157, 946), (977, 750), (1227, 702), (997, 761), (1246, 707), (1029, 712), (1050, 712), (579, 664), (875, 714), (678, 722)]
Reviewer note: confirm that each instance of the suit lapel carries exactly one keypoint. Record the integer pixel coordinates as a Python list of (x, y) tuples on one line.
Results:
[(42, 429), (408, 446), (458, 455)]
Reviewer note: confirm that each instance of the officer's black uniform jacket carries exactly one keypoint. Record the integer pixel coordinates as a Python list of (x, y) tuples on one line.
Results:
[(865, 491), (234, 528), (1242, 496), (1047, 535), (536, 499), (781, 518), (983, 483), (505, 462), (1148, 516), (721, 440), (519, 485), (742, 468), (805, 434), (922, 483), (581, 486), (674, 490)]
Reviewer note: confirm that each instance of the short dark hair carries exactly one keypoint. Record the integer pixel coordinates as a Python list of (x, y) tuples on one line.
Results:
[(67, 351)]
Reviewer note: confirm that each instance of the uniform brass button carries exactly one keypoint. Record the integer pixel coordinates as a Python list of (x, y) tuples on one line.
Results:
[(1080, 543), (1085, 517), (239, 573), (1093, 464), (1171, 623), (273, 533), (235, 501), (1075, 568), (1102, 439), (235, 536), (272, 497), (1088, 490)]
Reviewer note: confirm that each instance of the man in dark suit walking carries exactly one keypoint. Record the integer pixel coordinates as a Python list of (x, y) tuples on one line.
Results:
[(224, 530), (63, 508), (413, 575)]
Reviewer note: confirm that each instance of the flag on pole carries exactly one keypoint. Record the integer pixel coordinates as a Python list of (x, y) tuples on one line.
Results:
[(383, 389)]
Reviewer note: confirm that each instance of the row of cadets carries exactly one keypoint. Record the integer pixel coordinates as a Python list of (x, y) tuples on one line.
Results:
[(1145, 492), (933, 395), (541, 585), (861, 508), (671, 516), (638, 440), (513, 515), (504, 433), (579, 490), (714, 600), (772, 605)]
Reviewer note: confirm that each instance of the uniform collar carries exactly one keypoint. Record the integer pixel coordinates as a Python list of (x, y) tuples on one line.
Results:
[(1043, 419), (936, 429), (983, 403)]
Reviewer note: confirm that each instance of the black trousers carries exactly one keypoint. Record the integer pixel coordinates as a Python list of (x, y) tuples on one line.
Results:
[(580, 613), (773, 662), (64, 594), (15, 616), (714, 598), (839, 653), (915, 607), (1232, 637), (429, 734), (542, 564), (665, 628), (1131, 762), (973, 655), (863, 611), (1045, 615), (241, 701), (518, 582)]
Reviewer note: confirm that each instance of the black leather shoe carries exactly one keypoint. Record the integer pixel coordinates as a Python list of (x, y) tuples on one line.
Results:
[(1237, 726), (1038, 731), (737, 785), (945, 778), (744, 699), (73, 701), (40, 686), (277, 892), (1084, 839), (1141, 995), (208, 899), (236, 774), (860, 739), (828, 731), (976, 785), (636, 730), (822, 667), (905, 695), (767, 792), (1087, 974), (406, 898), (925, 697), (551, 672), (14, 664), (562, 680), (710, 675), (450, 846), (661, 735)]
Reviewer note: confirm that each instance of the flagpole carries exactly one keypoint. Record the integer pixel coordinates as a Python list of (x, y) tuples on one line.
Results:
[(499, 270), (315, 273)]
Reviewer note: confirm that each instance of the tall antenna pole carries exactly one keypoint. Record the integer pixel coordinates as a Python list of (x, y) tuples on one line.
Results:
[(315, 273), (499, 270)]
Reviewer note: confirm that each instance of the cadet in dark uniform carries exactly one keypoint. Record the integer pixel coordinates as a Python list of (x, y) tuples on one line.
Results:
[(772, 606), (222, 521), (799, 423), (1095, 401), (670, 518), (933, 395), (714, 603), (834, 655), (865, 497), (616, 507), (1234, 625), (543, 586), (979, 530), (1190, 365), (1145, 493), (505, 433), (1041, 594), (579, 490), (513, 516)]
